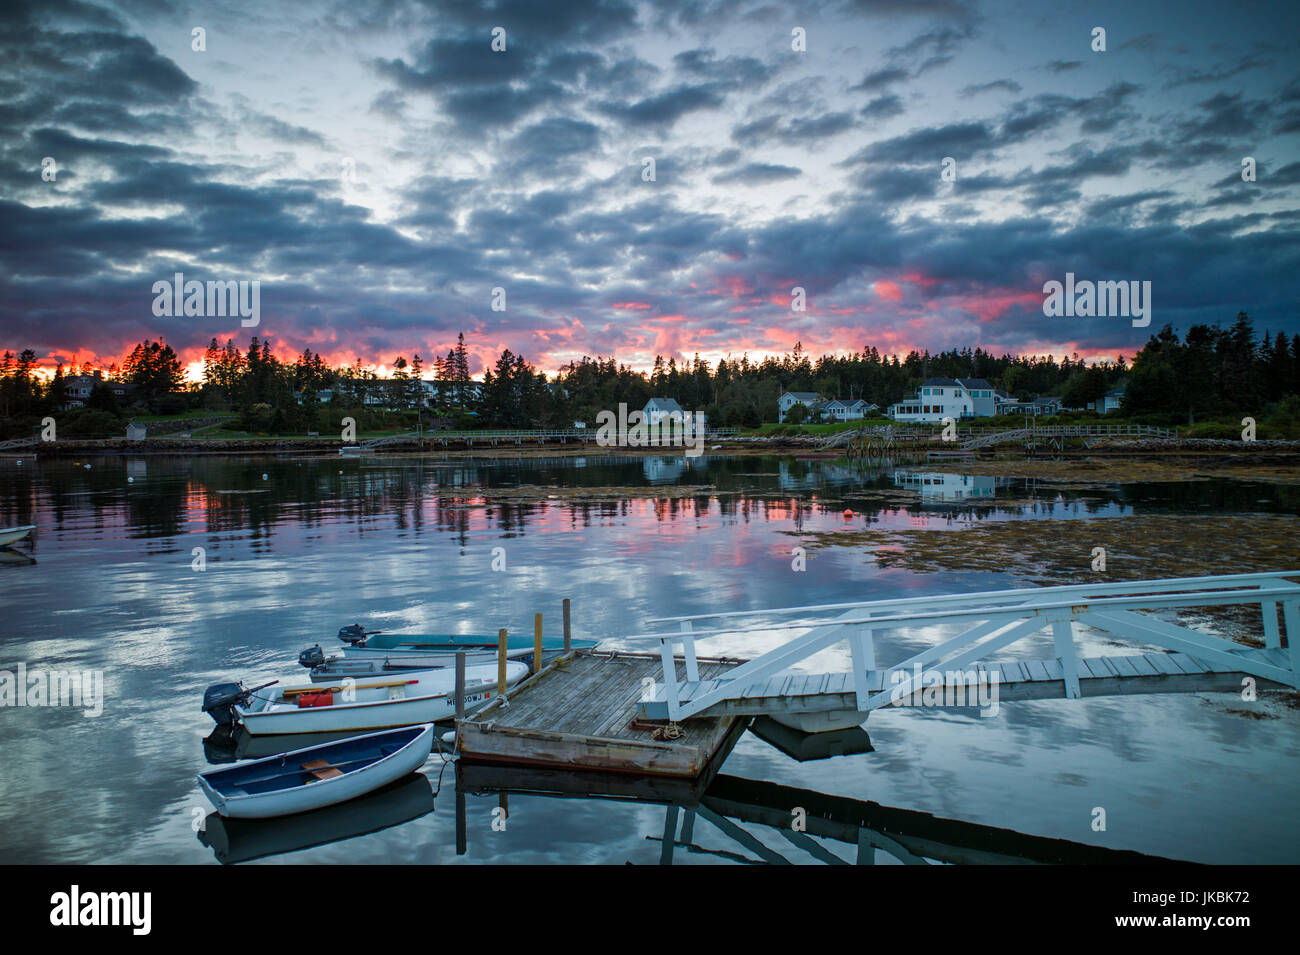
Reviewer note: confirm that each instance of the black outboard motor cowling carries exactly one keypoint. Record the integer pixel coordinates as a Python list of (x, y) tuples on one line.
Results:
[(353, 634), (312, 657), (220, 699)]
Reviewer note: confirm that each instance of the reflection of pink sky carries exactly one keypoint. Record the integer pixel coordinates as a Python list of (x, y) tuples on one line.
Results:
[(895, 314)]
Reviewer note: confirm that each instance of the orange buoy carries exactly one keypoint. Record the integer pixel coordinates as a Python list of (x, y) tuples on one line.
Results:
[(848, 514)]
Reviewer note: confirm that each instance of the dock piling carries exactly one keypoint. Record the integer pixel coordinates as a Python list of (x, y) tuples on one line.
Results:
[(537, 643), (568, 633), (460, 684), (501, 662)]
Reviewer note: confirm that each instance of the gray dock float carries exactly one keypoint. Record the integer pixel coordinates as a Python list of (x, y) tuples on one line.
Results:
[(581, 713)]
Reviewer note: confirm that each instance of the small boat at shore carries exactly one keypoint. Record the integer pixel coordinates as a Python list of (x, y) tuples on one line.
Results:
[(338, 668), (12, 535), (317, 776), (401, 698), (370, 643)]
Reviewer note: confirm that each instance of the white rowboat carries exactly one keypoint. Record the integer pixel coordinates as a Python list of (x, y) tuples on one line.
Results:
[(399, 698), (316, 776), (11, 535)]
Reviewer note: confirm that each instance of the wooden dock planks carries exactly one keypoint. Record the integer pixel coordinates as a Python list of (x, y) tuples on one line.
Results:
[(578, 713), (581, 711), (1157, 672)]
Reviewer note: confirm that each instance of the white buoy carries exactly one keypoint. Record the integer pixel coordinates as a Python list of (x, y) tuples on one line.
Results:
[(130, 480), (263, 477), (87, 467), (449, 737)]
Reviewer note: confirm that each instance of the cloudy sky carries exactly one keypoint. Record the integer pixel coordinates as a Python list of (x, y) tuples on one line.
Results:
[(380, 169)]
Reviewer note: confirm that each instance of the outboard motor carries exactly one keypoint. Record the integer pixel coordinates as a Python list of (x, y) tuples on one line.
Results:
[(312, 657), (354, 634), (220, 700)]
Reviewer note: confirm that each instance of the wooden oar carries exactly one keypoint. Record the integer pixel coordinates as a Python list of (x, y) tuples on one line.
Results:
[(341, 689)]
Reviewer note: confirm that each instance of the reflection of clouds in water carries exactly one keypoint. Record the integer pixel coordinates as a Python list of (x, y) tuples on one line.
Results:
[(407, 547)]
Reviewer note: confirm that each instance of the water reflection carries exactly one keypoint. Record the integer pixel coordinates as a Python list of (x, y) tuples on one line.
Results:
[(406, 544), (166, 497), (938, 485), (804, 747), (242, 840), (752, 814)]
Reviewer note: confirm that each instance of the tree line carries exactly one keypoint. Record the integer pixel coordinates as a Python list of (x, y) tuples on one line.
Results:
[(1208, 371)]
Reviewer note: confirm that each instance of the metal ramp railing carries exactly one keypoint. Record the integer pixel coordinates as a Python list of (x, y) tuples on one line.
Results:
[(996, 620)]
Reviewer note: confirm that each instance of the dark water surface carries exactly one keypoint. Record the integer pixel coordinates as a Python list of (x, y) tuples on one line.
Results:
[(407, 544)]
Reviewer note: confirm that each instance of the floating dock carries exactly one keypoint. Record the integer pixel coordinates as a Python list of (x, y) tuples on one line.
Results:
[(673, 713), (580, 713)]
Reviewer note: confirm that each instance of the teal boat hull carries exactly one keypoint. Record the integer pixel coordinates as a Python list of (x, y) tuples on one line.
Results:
[(422, 643)]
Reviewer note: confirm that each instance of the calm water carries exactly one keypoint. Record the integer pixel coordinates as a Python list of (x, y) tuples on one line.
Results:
[(407, 544)]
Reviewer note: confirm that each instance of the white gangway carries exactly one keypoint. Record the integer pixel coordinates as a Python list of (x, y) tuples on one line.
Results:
[(1187, 660)]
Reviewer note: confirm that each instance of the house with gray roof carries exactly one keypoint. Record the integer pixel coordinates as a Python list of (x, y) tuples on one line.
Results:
[(982, 397), (936, 399), (847, 409), (657, 409), (809, 399)]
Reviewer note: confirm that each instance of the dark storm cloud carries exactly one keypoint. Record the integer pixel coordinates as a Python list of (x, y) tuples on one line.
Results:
[(575, 21), (390, 103), (882, 107), (1007, 86), (932, 48), (757, 174), (881, 79), (276, 128), (1251, 61), (921, 145), (454, 62), (798, 130), (730, 72), (1104, 181), (1225, 115), (664, 109), (1125, 205)]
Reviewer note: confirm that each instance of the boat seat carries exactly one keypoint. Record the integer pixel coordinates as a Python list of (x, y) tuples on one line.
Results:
[(322, 769)]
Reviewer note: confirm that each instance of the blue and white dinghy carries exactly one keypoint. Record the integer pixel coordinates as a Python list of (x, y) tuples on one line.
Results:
[(317, 776), (402, 698)]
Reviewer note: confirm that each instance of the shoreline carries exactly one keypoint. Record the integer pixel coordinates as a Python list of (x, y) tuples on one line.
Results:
[(1115, 461)]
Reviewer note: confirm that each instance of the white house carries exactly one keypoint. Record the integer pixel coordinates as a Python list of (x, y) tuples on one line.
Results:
[(809, 399), (936, 399), (983, 396), (1108, 402), (657, 409), (434, 390), (846, 409), (1004, 403), (1047, 405)]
